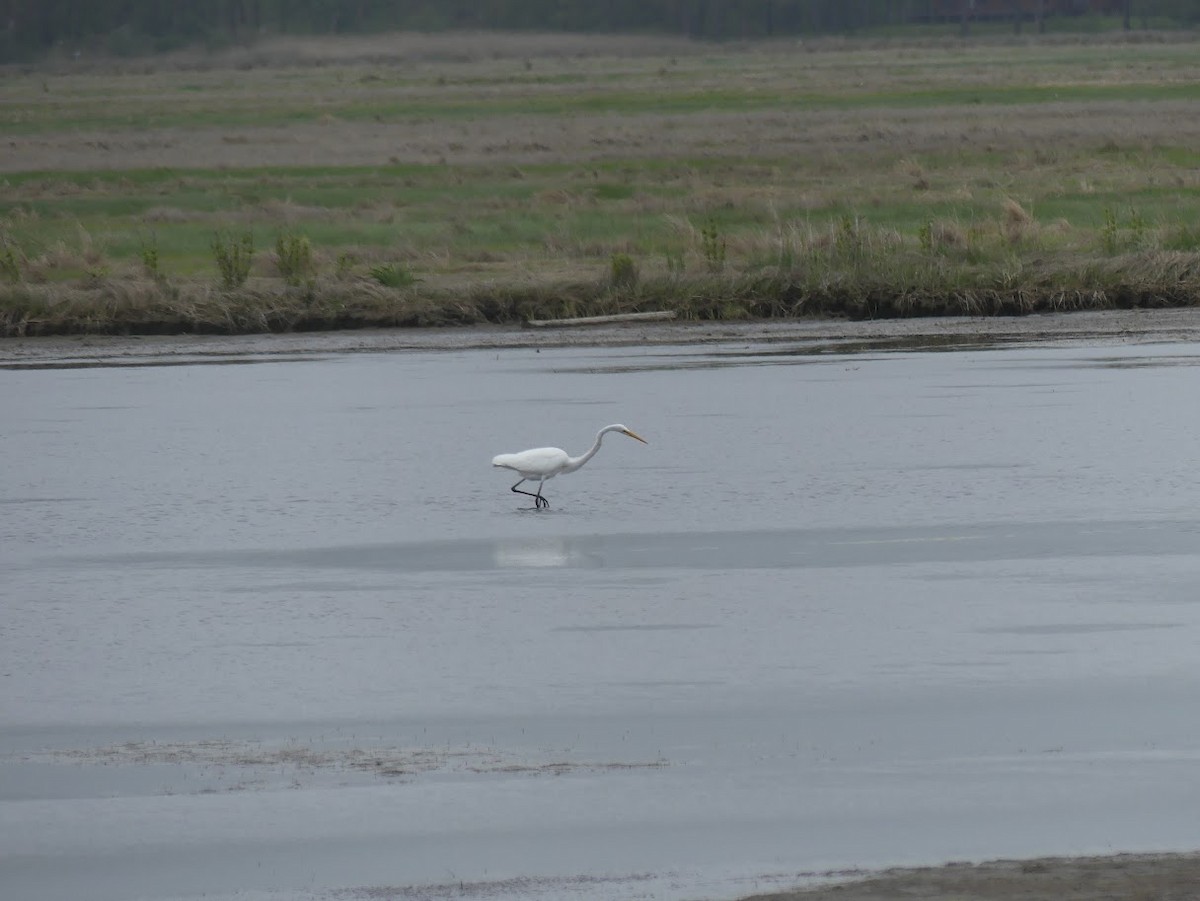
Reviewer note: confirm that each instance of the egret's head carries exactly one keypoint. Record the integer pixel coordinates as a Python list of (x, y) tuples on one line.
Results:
[(632, 434)]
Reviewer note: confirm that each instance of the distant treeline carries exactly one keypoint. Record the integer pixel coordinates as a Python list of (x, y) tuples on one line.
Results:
[(32, 27)]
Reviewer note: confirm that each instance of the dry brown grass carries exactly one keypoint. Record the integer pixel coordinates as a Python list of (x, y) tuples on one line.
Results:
[(1016, 224), (843, 273)]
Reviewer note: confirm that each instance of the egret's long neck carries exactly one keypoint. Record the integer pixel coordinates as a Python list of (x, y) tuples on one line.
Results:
[(573, 463)]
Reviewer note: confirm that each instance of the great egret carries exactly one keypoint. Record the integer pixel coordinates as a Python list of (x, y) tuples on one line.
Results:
[(543, 463)]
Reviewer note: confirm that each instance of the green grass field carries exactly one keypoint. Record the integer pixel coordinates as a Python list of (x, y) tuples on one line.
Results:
[(500, 178)]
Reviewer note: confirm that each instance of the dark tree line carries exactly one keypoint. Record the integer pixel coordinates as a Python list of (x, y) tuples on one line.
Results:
[(30, 27)]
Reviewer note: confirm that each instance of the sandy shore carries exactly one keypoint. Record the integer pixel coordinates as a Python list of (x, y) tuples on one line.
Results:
[(1135, 877)]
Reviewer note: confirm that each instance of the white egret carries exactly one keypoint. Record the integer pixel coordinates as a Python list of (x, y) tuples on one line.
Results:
[(543, 463)]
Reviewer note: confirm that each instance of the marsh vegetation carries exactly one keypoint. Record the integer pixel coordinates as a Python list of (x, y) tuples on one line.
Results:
[(420, 180)]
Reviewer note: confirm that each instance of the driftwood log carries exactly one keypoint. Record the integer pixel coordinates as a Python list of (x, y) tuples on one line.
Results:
[(655, 316)]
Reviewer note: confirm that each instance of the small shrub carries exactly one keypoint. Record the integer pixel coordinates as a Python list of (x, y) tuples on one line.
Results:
[(293, 258), (393, 275), (925, 237), (149, 254), (623, 272), (848, 242), (712, 246), (1108, 233), (234, 254), (1132, 235), (1137, 228)]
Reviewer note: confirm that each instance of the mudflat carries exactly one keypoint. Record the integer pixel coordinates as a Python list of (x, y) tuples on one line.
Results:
[(833, 334), (1122, 876)]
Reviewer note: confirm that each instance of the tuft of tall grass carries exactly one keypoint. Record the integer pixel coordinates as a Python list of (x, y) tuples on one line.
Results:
[(9, 268), (393, 275), (675, 263), (1016, 222), (713, 247), (623, 272)]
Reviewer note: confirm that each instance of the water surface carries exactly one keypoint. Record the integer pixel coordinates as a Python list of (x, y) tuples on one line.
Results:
[(280, 628)]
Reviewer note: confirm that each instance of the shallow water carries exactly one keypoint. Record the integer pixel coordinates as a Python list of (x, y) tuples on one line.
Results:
[(280, 628)]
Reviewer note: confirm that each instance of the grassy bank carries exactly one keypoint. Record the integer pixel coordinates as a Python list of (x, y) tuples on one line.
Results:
[(406, 187)]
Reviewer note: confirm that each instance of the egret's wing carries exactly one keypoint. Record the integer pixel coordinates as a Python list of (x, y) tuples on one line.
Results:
[(535, 463)]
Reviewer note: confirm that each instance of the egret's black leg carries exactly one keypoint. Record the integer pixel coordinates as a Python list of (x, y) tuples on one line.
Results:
[(538, 500)]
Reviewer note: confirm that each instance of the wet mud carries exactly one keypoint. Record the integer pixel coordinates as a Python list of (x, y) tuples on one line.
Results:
[(1121, 877), (806, 336)]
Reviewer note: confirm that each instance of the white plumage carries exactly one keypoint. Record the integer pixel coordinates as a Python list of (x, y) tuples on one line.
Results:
[(542, 463)]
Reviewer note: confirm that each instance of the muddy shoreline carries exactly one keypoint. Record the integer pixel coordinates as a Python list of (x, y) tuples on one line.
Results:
[(1114, 878), (821, 336)]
